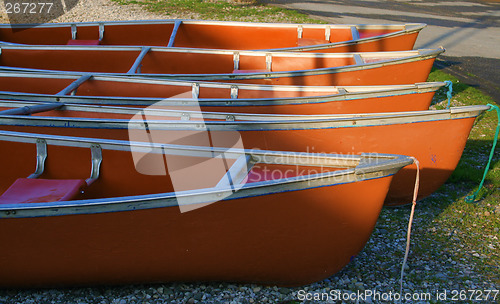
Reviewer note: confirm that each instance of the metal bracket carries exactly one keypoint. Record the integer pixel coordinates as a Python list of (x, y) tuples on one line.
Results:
[(171, 41), (72, 87), (136, 67), (41, 156), (234, 92), (300, 29), (230, 118), (237, 173), (96, 152), (73, 31), (354, 33), (195, 89), (342, 91), (358, 59), (269, 61), (236, 60), (327, 33), (101, 31)]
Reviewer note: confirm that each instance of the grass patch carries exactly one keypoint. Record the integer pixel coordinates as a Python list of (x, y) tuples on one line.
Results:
[(476, 153), (467, 233), (232, 10)]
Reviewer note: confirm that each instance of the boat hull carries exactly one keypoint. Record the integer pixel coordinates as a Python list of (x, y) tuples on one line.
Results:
[(268, 239), (276, 238)]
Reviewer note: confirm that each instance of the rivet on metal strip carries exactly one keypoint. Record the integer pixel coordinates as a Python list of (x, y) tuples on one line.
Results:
[(41, 156), (185, 116)]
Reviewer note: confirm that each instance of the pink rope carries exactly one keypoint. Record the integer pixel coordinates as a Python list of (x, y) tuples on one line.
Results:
[(410, 222)]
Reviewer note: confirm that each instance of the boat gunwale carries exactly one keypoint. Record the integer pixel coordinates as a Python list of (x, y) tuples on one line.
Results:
[(248, 122), (252, 53), (349, 93), (207, 84), (215, 22)]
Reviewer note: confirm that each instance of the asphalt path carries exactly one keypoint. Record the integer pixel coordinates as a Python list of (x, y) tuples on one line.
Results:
[(468, 29)]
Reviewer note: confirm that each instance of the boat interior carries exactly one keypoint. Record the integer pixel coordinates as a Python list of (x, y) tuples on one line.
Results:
[(87, 85), (146, 60), (44, 173), (181, 33)]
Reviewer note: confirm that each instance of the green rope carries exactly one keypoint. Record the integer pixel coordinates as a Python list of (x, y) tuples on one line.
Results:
[(472, 198), (449, 84)]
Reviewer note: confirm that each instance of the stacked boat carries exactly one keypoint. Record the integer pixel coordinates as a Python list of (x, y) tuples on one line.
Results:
[(210, 151)]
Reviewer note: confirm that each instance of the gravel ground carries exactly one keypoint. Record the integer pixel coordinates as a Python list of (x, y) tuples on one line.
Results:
[(433, 268), (101, 10)]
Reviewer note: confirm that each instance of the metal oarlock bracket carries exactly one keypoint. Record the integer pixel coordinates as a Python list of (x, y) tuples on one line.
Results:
[(234, 92), (327, 33), (73, 31), (269, 61), (195, 89), (101, 31), (300, 29), (96, 151), (41, 156), (236, 60)]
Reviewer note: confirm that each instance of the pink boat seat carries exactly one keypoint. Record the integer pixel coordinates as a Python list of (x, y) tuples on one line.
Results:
[(37, 190), (83, 42), (309, 41), (250, 71)]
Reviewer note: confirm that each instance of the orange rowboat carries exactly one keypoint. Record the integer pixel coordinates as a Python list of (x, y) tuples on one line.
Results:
[(217, 97), (417, 134), (131, 230), (220, 35), (371, 68)]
